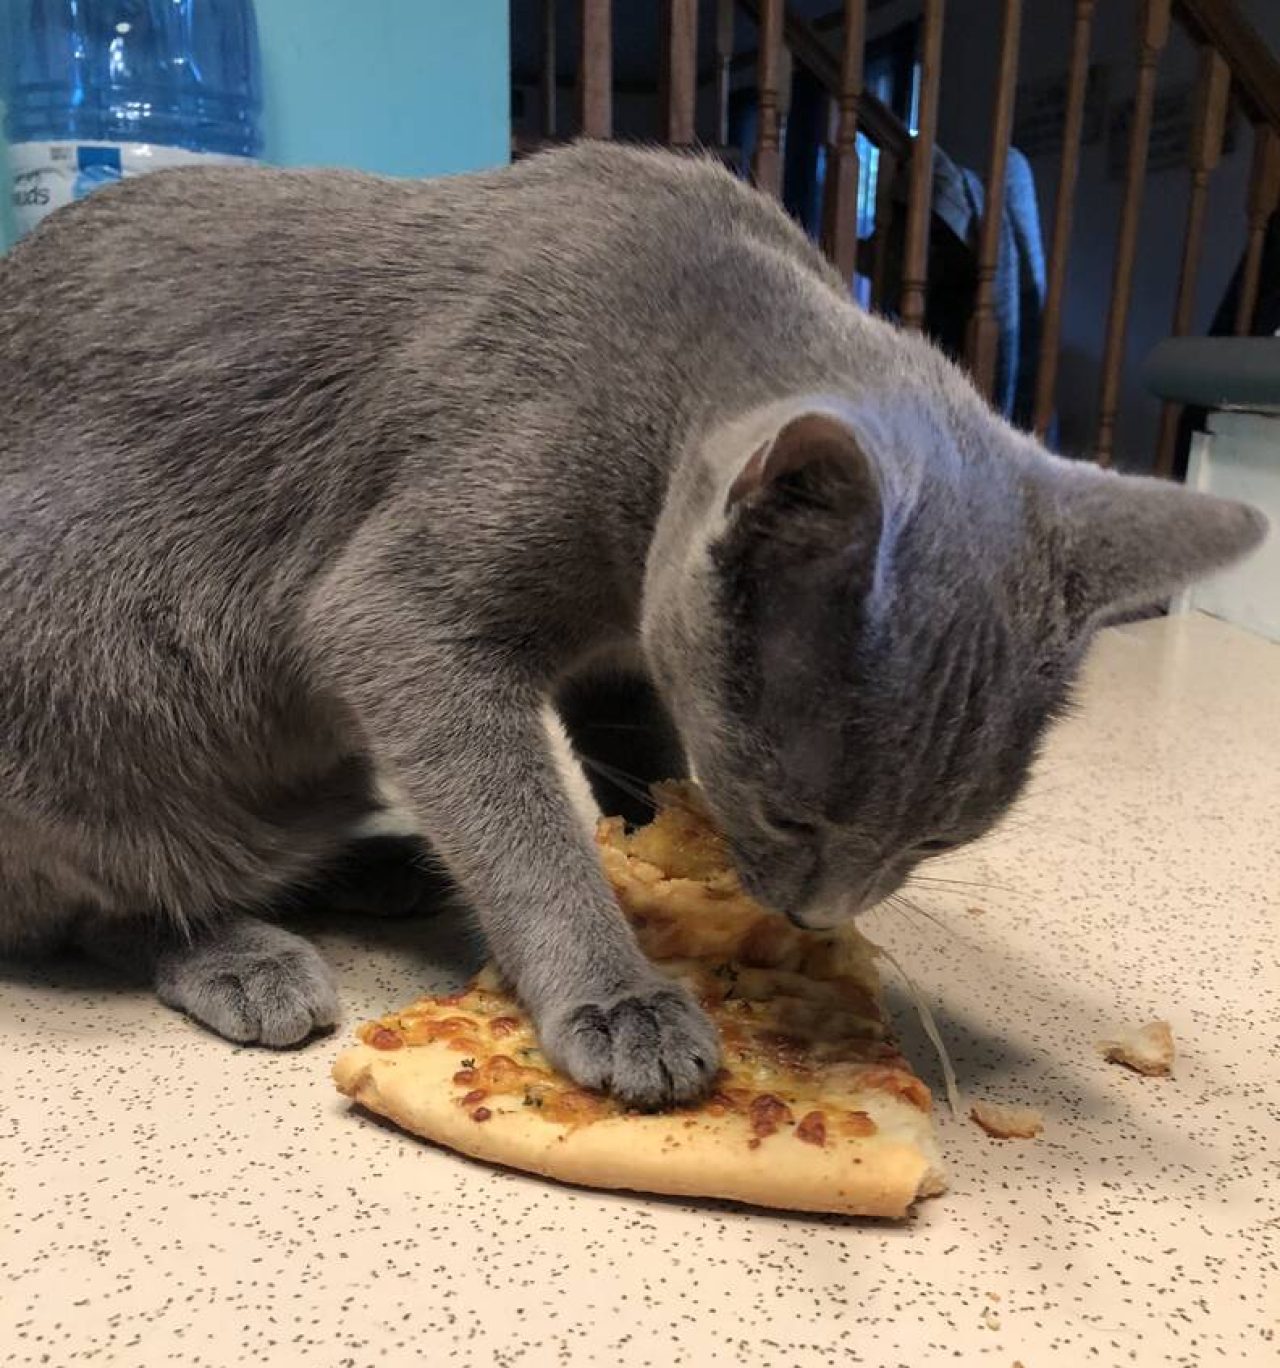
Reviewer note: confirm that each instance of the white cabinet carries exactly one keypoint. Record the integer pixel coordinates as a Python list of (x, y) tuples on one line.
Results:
[(1239, 458)]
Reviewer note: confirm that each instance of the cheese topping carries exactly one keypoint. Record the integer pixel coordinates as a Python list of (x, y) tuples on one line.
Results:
[(804, 1041)]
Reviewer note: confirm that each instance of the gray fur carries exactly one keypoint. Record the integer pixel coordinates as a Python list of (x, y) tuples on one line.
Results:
[(308, 477)]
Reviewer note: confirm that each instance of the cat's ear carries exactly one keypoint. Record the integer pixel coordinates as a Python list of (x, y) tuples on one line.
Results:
[(1129, 541), (810, 484), (806, 501), (818, 444)]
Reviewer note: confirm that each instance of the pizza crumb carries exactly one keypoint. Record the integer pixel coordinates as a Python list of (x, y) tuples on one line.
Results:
[(1145, 1049), (1007, 1123), (993, 1296), (976, 911), (990, 1318)]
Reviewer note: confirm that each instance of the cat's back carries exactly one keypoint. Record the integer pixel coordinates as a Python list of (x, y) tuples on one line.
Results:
[(231, 261), (161, 267)]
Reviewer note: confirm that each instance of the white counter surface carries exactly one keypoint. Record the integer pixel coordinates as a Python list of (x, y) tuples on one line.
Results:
[(167, 1198)]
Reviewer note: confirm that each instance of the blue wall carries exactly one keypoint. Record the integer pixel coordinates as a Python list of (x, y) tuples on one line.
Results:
[(403, 87), (409, 87)]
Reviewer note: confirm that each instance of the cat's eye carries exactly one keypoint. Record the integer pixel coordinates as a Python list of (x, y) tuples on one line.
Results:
[(935, 847), (794, 828)]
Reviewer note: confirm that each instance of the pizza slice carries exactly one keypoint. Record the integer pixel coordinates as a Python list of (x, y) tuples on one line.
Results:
[(814, 1108)]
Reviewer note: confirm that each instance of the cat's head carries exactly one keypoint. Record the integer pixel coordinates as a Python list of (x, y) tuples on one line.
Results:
[(863, 618)]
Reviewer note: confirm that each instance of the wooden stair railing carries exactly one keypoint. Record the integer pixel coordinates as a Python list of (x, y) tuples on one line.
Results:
[(547, 92), (840, 204), (983, 326), (1234, 60), (767, 166), (595, 71), (915, 259), (725, 14), (1153, 29), (679, 79), (1264, 188), (1209, 124), (879, 123), (857, 111), (1064, 207)]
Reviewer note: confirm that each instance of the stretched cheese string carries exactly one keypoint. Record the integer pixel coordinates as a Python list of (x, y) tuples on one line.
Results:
[(930, 1028)]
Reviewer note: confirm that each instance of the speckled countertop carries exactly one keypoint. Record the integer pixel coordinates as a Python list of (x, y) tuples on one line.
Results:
[(166, 1198)]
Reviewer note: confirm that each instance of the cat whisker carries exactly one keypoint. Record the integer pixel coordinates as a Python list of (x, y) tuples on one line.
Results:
[(962, 883), (629, 784), (901, 901), (617, 726)]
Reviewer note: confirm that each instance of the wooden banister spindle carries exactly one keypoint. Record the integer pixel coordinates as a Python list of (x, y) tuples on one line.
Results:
[(595, 69), (983, 329), (786, 91), (1153, 33), (915, 262), (768, 160), (724, 67), (548, 69), (679, 71), (886, 176), (1264, 187), (1206, 147), (1068, 171), (840, 207)]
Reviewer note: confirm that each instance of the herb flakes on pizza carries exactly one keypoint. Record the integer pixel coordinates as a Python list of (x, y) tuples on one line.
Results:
[(814, 1109)]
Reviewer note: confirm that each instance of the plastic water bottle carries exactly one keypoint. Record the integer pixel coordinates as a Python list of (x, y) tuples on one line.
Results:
[(99, 89)]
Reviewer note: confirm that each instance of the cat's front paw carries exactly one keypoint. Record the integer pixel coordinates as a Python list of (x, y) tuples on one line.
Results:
[(651, 1047), (251, 982)]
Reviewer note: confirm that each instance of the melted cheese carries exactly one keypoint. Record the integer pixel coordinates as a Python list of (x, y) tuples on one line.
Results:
[(799, 1014)]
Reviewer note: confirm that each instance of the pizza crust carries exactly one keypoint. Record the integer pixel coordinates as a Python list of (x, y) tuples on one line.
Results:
[(683, 1153)]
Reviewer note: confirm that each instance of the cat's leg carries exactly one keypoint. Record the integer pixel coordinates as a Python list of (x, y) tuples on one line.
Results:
[(494, 803), (245, 979), (473, 756), (624, 737), (241, 977), (381, 875)]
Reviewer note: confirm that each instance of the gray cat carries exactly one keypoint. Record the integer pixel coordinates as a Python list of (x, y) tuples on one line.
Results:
[(312, 477)]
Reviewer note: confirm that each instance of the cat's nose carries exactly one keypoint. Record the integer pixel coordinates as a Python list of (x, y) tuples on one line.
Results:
[(832, 907), (821, 914)]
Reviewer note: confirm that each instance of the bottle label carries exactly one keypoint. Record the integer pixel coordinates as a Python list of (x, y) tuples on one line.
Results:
[(47, 175)]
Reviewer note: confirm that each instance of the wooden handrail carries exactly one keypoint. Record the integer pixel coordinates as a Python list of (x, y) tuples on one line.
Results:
[(1219, 24)]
